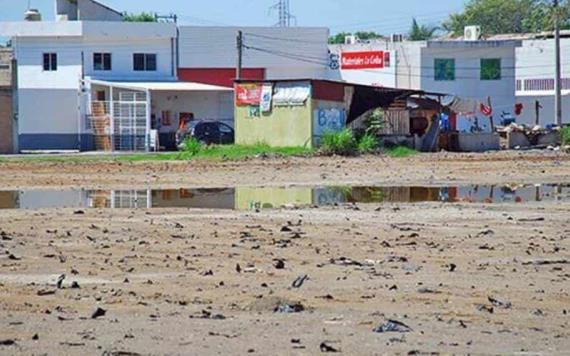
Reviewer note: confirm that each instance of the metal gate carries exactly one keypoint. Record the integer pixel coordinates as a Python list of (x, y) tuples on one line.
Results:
[(129, 122)]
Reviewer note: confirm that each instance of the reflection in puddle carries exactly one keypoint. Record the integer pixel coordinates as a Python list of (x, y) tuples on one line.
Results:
[(251, 198)]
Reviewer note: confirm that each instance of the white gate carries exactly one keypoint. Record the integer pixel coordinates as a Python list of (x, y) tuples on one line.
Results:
[(129, 122)]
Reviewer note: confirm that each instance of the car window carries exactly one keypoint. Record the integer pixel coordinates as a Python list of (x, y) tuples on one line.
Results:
[(225, 128), (211, 128)]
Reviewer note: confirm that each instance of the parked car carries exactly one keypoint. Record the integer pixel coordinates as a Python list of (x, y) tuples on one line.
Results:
[(208, 133)]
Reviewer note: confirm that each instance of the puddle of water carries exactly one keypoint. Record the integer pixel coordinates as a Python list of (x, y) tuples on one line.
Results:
[(251, 198)]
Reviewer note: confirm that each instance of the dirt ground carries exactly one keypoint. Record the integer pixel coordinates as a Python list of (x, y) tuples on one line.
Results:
[(458, 278)]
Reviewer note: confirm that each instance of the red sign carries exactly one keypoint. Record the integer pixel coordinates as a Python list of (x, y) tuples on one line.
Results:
[(248, 94), (362, 60)]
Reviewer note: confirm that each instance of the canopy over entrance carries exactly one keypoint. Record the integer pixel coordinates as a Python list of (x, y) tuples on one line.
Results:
[(122, 117)]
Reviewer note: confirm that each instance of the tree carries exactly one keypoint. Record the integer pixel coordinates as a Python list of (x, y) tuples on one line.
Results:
[(507, 16), (141, 17), (362, 35), (421, 32)]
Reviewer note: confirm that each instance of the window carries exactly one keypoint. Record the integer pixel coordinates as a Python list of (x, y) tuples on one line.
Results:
[(444, 69), (144, 62), (491, 69), (101, 61), (50, 62)]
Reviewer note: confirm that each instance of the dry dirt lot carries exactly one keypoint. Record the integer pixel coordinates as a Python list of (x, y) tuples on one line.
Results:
[(463, 278)]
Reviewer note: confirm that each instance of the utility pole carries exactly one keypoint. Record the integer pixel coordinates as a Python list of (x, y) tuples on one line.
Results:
[(240, 54), (557, 80)]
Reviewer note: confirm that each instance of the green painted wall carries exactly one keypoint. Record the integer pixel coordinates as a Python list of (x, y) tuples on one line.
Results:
[(284, 126)]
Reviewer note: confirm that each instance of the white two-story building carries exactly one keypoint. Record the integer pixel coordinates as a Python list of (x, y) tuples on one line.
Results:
[(477, 70)]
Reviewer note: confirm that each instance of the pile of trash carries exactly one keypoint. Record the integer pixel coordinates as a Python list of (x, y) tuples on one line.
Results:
[(520, 136)]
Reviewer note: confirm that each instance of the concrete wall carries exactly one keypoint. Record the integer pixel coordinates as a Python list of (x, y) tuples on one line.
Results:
[(285, 126), (480, 142), (467, 81), (535, 65), (215, 47), (52, 124), (528, 115)]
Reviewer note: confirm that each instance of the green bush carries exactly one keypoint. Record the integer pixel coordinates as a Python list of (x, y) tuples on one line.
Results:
[(338, 143), (367, 144), (565, 135), (192, 146)]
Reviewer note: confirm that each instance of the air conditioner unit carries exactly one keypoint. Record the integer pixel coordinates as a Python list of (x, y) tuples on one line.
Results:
[(351, 40), (397, 37), (472, 33)]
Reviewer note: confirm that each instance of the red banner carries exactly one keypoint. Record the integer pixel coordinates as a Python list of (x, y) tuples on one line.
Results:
[(248, 94), (362, 60)]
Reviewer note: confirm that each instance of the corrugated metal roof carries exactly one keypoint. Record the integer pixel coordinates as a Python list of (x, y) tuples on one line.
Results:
[(162, 86)]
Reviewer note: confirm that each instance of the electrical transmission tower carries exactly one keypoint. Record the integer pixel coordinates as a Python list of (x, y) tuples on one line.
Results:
[(284, 9)]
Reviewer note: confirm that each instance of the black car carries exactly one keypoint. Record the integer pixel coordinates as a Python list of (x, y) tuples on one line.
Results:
[(208, 133)]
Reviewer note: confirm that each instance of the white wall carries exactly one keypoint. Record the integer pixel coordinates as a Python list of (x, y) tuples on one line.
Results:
[(122, 51), (467, 81), (215, 47), (536, 60), (528, 116), (205, 106), (385, 77)]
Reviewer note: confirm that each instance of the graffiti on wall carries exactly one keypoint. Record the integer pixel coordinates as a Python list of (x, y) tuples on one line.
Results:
[(327, 120)]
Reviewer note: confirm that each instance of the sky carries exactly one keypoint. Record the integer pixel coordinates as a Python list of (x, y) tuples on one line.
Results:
[(383, 16)]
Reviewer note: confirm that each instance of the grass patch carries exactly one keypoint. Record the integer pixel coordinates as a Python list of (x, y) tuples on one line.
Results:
[(195, 151), (340, 143), (367, 144), (565, 135), (400, 152)]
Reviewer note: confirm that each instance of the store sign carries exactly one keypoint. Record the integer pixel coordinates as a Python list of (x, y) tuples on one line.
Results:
[(248, 94), (362, 60)]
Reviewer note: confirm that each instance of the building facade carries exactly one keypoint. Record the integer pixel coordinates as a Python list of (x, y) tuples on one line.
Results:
[(535, 80), (54, 59), (478, 70)]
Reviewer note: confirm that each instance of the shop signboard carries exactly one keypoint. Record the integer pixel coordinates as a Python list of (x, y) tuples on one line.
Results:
[(362, 60), (248, 94)]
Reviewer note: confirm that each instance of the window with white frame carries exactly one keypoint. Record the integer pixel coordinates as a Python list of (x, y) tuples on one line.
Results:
[(50, 62), (144, 62)]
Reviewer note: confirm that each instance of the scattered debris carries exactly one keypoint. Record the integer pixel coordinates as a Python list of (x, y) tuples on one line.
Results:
[(279, 264), (546, 262), (99, 312), (290, 308), (59, 283), (7, 342), (392, 326), (499, 303), (485, 308), (325, 347), (298, 283)]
